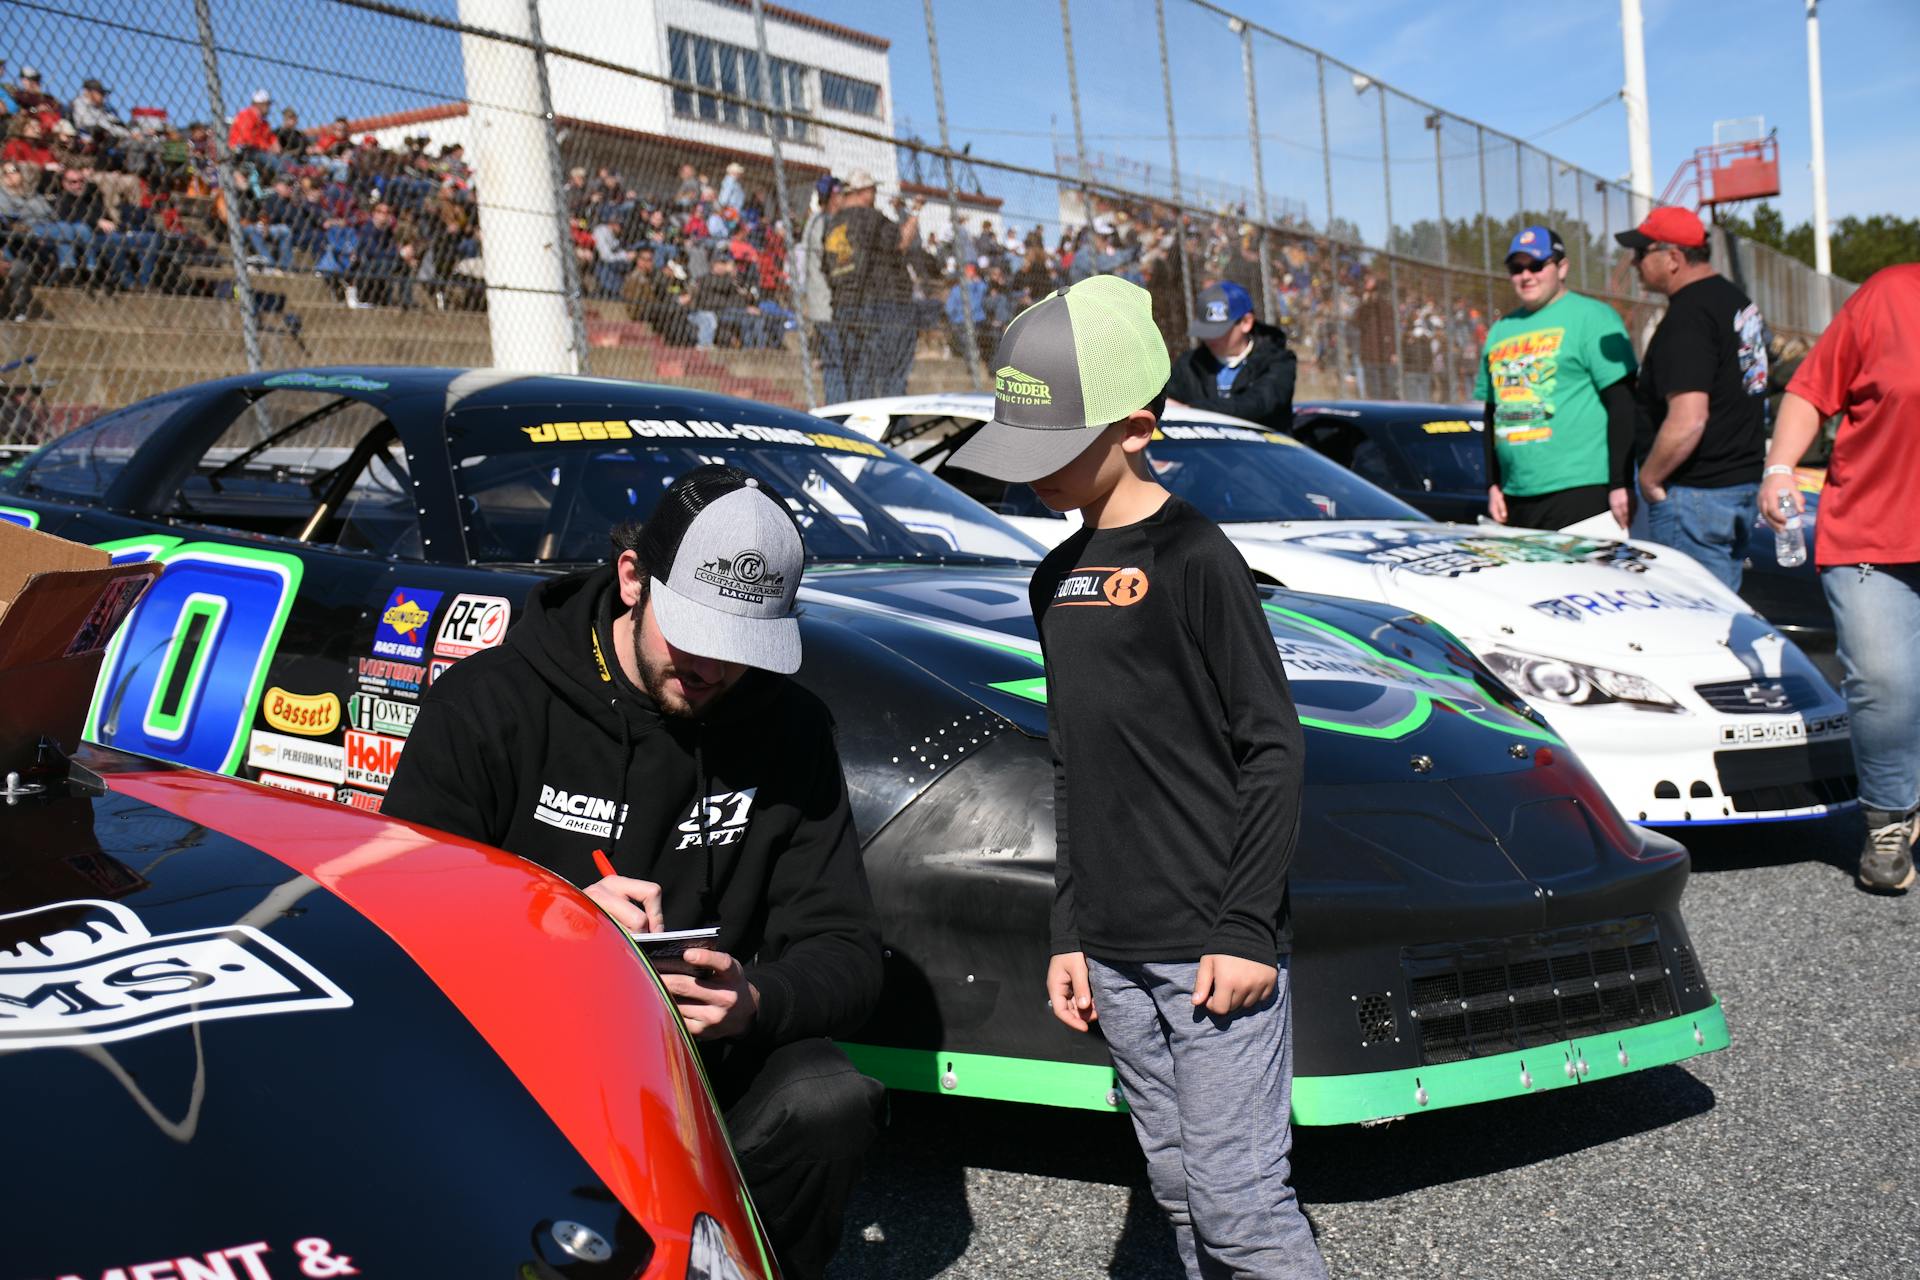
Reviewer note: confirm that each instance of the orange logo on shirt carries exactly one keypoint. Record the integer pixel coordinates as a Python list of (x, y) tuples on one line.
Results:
[(1125, 587)]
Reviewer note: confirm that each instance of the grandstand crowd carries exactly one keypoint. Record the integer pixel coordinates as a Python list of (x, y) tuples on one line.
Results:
[(95, 200)]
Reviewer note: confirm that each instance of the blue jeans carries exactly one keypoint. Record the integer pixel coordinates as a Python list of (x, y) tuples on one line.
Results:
[(833, 362), (1876, 613), (1711, 525), (64, 236), (877, 347), (274, 243)]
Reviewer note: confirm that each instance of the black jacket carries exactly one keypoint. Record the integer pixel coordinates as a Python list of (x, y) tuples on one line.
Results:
[(1263, 390), (536, 745)]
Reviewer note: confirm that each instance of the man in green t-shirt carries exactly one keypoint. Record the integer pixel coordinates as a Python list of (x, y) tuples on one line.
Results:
[(1557, 380)]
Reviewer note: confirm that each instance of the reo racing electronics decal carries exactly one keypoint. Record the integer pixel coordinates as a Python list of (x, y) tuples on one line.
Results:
[(91, 972), (470, 624)]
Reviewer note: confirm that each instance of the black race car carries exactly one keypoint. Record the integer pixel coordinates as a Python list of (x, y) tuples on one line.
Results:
[(1473, 918), (1432, 456)]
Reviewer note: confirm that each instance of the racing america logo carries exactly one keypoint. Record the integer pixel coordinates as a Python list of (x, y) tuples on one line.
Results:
[(727, 813), (90, 972), (744, 577), (1103, 587), (578, 812)]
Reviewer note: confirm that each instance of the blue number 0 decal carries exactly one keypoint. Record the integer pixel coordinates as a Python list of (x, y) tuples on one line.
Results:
[(182, 679)]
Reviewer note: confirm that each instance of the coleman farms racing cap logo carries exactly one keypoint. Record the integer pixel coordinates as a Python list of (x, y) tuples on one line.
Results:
[(402, 632), (1016, 387), (743, 577), (89, 972)]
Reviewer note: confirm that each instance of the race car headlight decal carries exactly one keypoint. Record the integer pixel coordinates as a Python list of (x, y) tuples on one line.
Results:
[(1575, 684), (709, 1256)]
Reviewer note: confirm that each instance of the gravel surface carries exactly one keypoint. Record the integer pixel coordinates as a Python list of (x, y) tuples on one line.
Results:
[(1792, 1153)]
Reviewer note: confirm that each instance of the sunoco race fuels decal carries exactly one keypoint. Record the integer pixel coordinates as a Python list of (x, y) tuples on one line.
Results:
[(402, 630), (92, 973)]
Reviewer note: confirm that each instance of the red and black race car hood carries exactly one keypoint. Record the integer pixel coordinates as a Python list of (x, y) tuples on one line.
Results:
[(236, 1024)]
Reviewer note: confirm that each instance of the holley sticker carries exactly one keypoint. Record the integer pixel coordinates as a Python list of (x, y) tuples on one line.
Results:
[(372, 758)]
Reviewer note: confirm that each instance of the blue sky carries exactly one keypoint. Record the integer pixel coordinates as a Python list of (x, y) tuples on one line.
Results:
[(1519, 67)]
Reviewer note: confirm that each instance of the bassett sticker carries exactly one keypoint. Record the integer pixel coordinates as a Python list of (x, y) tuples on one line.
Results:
[(90, 972), (313, 714)]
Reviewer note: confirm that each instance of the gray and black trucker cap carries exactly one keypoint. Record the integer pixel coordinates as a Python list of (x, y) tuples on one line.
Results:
[(726, 559), (1068, 366)]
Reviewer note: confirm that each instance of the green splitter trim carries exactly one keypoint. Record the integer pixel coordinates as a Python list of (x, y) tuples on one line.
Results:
[(1319, 1100)]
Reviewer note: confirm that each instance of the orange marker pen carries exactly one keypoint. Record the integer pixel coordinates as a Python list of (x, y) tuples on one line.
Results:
[(605, 864)]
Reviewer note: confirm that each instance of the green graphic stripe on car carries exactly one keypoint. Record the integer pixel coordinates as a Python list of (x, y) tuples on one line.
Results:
[(19, 515), (1319, 1100)]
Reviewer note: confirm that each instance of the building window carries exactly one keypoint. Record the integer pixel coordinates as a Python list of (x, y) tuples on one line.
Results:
[(728, 68), (844, 93)]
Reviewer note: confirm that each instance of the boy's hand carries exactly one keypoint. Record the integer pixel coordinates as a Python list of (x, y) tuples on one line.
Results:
[(1228, 984), (1069, 992), (711, 992), (633, 904)]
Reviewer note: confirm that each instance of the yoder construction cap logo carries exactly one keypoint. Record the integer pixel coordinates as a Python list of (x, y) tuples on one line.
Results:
[(1020, 388)]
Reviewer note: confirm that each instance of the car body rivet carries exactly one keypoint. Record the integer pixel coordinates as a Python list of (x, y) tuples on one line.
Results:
[(1583, 1066), (1526, 1078), (949, 1080), (581, 1242), (1422, 764), (1623, 1057), (1572, 1071), (1420, 1094), (1699, 1036), (1518, 751), (969, 977), (1113, 1097)]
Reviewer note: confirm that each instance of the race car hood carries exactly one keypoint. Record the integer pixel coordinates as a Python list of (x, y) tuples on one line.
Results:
[(1554, 593), (249, 1021)]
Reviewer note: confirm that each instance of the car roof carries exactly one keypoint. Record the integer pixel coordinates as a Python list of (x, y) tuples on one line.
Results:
[(1391, 413), (979, 406)]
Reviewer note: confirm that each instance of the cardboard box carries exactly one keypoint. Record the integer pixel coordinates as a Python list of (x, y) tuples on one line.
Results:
[(60, 602)]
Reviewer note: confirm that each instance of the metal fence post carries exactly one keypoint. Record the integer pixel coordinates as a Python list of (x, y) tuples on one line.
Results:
[(1393, 265), (1580, 218), (1173, 156), (230, 188), (969, 343), (1345, 353), (803, 328), (1073, 96), (1486, 222), (1435, 121), (576, 300), (1268, 299)]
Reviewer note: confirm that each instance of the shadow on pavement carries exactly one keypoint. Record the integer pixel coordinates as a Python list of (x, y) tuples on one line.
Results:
[(1835, 841)]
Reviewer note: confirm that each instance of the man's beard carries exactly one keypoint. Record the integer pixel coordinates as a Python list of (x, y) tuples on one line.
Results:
[(653, 680)]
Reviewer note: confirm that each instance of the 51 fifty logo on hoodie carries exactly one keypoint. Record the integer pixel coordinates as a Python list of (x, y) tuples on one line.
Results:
[(727, 814)]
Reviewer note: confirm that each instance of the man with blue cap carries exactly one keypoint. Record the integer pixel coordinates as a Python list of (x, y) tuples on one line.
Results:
[(1556, 376), (1241, 367)]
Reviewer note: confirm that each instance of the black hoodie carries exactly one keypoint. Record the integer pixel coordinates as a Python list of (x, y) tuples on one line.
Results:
[(1262, 390), (534, 746)]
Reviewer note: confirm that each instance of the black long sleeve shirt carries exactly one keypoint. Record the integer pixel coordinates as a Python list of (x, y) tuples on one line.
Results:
[(1177, 751)]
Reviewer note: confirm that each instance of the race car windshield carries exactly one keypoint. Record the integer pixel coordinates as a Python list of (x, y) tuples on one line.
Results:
[(1449, 455), (1234, 475), (556, 504)]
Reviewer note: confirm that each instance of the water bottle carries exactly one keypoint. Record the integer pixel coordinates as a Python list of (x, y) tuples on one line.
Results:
[(1790, 543)]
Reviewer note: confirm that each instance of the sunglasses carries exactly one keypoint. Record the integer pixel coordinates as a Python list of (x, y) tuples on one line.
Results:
[(1530, 268), (1640, 255)]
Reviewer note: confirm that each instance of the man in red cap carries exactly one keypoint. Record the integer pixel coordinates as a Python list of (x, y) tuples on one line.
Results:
[(1703, 386)]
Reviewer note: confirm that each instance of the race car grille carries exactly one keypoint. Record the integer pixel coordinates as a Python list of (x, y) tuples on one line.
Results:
[(1476, 999), (1760, 697), (1792, 777)]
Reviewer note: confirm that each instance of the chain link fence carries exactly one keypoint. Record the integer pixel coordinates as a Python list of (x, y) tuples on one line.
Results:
[(483, 182)]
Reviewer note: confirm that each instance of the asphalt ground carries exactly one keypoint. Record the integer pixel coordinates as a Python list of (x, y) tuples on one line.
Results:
[(1795, 1152)]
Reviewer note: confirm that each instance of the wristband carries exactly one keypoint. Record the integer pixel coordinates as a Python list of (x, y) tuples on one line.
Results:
[(1776, 469)]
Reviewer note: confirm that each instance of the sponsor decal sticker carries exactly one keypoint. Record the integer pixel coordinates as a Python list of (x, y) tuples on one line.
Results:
[(1217, 431), (693, 429), (314, 1255), (368, 800), (304, 786), (727, 814), (470, 624), (1773, 733), (437, 667), (402, 630), (91, 972), (314, 714), (1578, 607), (576, 811), (1015, 387), (278, 753), (372, 713), (395, 679), (372, 758), (1444, 556), (326, 381), (1451, 426)]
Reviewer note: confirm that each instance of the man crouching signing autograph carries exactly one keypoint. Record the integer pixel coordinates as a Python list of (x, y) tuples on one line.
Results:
[(656, 689)]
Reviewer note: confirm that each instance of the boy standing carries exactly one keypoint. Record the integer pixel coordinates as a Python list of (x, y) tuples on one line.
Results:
[(1177, 770)]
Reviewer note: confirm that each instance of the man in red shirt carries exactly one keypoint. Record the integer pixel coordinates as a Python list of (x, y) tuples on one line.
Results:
[(252, 136), (1866, 366)]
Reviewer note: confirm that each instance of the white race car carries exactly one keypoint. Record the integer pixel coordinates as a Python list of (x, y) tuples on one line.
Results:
[(1686, 704)]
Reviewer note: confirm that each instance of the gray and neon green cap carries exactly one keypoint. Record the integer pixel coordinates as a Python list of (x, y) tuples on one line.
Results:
[(1068, 366)]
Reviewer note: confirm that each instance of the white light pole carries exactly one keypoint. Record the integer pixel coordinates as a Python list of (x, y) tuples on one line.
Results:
[(1822, 249), (1639, 132)]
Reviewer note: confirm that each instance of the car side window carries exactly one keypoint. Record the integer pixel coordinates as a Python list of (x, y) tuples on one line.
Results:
[(85, 463), (309, 465), (1350, 446)]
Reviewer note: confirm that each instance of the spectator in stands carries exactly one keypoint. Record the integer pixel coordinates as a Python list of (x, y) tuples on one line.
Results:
[(80, 222), (816, 294), (872, 294), (658, 299), (293, 140), (29, 147), (377, 261), (687, 194), (251, 137), (612, 260), (725, 311), (731, 192), (270, 234), (967, 314), (23, 213), (1035, 278), (1374, 325), (1241, 366), (33, 101), (574, 194), (91, 114)]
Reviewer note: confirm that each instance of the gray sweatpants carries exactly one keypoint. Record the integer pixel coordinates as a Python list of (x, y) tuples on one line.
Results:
[(1210, 1098)]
